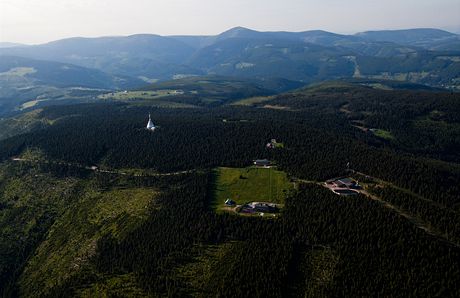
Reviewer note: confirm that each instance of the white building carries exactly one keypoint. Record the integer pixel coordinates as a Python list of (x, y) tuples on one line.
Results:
[(150, 125)]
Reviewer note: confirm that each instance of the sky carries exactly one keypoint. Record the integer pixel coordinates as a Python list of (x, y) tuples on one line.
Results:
[(39, 21)]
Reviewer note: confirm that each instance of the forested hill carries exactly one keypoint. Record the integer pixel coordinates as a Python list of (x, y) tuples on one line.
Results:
[(405, 55), (25, 80), (422, 122), (92, 203)]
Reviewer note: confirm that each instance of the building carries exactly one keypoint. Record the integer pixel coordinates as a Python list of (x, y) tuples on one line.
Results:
[(343, 186), (262, 163), (230, 202), (150, 125), (342, 183), (348, 182), (263, 207), (273, 144)]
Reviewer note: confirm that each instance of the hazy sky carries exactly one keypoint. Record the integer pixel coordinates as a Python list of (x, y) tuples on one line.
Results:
[(37, 21)]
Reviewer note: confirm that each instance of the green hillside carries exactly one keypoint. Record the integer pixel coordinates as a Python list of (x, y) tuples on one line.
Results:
[(51, 225), (26, 82)]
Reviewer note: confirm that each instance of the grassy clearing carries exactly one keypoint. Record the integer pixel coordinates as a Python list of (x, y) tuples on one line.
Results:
[(19, 71), (279, 145), (157, 98), (136, 95), (148, 80), (380, 86), (29, 104), (384, 134), (250, 184)]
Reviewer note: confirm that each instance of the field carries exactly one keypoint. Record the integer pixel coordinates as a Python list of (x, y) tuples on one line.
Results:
[(158, 98), (136, 95), (384, 134), (29, 104), (244, 185)]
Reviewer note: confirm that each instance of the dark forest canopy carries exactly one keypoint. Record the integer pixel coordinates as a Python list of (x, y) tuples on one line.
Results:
[(405, 140)]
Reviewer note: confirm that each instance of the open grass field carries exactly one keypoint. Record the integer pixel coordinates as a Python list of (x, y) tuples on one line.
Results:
[(136, 95), (158, 98), (244, 185), (19, 71), (384, 134), (29, 104)]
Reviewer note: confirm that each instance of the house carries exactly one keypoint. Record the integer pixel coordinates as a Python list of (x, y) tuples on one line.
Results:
[(343, 183), (263, 207), (343, 186), (348, 182), (230, 202), (262, 163)]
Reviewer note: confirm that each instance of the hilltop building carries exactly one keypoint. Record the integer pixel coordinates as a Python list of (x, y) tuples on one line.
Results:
[(150, 125), (343, 186), (262, 163)]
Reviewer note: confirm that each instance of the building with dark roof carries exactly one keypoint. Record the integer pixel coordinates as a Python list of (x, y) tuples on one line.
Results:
[(262, 163)]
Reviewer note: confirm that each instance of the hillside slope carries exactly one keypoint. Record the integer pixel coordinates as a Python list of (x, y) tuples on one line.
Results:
[(27, 80)]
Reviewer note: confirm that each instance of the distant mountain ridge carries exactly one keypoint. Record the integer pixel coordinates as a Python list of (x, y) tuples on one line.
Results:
[(424, 56), (10, 45), (428, 38), (407, 36)]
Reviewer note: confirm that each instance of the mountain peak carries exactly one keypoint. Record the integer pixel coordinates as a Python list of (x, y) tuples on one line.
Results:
[(239, 32)]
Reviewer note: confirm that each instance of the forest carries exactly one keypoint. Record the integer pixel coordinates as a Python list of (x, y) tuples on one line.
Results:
[(168, 241)]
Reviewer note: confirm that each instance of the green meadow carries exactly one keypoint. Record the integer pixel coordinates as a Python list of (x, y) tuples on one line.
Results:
[(244, 185)]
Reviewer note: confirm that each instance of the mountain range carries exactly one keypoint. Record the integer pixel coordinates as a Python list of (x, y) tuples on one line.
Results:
[(423, 56)]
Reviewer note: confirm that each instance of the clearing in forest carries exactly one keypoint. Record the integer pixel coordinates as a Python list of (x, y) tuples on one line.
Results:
[(244, 185)]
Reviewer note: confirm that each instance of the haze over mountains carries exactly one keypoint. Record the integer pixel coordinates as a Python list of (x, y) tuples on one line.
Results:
[(424, 56)]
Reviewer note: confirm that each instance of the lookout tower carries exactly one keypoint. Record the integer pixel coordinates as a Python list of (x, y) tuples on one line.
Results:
[(150, 125)]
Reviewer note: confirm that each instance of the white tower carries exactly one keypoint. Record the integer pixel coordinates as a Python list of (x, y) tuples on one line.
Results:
[(150, 125)]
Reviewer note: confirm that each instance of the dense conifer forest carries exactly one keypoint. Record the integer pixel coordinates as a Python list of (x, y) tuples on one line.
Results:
[(168, 241)]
